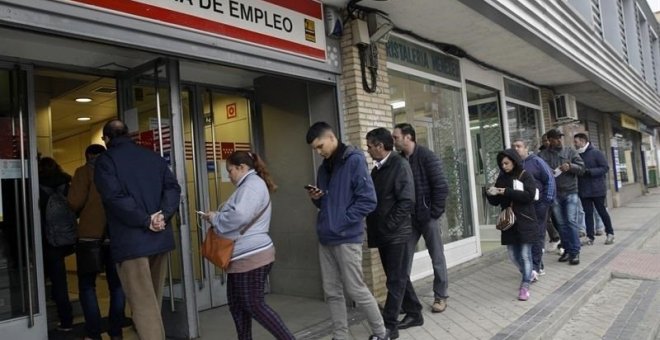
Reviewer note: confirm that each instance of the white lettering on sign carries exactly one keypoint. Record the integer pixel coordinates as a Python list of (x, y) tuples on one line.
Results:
[(291, 26)]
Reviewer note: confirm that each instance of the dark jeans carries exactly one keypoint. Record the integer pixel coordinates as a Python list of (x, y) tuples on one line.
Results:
[(89, 302), (396, 260), (541, 209), (588, 204), (56, 272)]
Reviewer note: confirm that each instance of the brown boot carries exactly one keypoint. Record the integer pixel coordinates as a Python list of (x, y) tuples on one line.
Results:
[(439, 305)]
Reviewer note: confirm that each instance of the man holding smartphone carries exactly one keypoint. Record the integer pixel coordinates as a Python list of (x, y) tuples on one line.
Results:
[(344, 195)]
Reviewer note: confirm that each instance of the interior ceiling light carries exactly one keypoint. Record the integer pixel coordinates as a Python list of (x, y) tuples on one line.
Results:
[(83, 99), (84, 119), (398, 104)]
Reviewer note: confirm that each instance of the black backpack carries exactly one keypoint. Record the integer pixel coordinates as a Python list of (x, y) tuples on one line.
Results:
[(61, 224)]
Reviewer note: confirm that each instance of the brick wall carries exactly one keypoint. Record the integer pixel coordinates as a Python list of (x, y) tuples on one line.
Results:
[(362, 112)]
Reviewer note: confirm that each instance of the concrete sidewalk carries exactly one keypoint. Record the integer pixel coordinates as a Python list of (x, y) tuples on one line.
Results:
[(612, 294)]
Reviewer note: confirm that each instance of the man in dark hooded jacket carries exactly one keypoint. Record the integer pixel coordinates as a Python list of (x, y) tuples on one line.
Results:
[(140, 194)]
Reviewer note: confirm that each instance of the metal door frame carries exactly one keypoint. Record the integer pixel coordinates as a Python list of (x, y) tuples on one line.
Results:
[(178, 161), (35, 324)]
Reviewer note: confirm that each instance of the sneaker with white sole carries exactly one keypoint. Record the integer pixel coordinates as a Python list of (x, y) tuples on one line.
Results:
[(552, 246), (541, 272), (535, 276), (609, 239)]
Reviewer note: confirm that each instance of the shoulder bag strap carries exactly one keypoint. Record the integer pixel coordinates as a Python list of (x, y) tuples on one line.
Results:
[(247, 226)]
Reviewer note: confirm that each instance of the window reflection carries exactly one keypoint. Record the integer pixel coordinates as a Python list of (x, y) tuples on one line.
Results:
[(436, 112)]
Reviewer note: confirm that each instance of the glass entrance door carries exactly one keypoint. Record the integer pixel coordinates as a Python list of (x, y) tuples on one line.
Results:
[(487, 140), (215, 123), (22, 299), (150, 105)]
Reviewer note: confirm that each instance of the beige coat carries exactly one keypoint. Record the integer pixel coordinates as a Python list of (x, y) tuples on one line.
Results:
[(86, 202)]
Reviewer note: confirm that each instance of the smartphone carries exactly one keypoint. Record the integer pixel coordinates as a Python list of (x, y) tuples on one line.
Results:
[(201, 212), (311, 187)]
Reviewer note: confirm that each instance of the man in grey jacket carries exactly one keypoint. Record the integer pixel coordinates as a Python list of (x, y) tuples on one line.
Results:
[(567, 166)]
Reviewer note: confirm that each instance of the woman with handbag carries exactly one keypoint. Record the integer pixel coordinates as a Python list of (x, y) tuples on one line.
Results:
[(514, 191), (245, 218)]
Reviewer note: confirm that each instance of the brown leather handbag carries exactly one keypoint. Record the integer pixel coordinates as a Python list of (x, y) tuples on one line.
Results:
[(218, 249)]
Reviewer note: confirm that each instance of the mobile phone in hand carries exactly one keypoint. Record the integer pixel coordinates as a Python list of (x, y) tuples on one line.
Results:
[(311, 187), (201, 212)]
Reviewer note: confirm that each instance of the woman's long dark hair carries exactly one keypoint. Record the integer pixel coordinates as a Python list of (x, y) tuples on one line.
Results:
[(253, 161)]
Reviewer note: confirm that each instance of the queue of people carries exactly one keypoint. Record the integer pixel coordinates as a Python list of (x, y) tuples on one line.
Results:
[(126, 195)]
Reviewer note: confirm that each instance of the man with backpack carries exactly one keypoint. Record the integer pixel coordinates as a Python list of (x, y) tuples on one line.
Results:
[(58, 226)]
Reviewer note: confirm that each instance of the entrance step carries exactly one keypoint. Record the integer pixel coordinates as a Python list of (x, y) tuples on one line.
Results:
[(623, 309)]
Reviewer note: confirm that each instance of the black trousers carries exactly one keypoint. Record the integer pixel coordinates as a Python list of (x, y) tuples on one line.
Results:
[(396, 260)]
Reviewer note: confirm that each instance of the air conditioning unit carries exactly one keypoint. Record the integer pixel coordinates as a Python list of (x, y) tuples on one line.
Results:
[(565, 107)]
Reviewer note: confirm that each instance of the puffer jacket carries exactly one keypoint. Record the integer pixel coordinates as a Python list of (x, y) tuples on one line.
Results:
[(431, 187), (391, 222), (524, 230)]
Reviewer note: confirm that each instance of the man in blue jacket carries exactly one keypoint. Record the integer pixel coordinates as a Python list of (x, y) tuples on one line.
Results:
[(140, 194), (545, 184), (592, 187), (344, 195)]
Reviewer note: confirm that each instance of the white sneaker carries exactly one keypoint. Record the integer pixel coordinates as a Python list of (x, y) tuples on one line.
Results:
[(552, 246), (535, 276), (541, 272)]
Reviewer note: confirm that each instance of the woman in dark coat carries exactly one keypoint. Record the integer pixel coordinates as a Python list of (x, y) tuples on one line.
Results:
[(516, 187)]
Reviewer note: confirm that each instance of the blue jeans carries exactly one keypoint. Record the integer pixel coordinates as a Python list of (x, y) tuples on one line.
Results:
[(565, 212), (89, 302), (521, 256), (541, 208), (433, 238)]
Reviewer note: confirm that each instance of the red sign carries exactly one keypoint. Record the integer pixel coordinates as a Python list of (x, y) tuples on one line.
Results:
[(231, 111), (227, 149), (286, 25)]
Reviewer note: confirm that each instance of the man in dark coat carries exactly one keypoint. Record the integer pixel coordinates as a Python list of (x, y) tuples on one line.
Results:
[(140, 194), (592, 187), (431, 191), (389, 227)]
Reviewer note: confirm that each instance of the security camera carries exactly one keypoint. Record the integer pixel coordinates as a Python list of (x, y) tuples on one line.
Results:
[(379, 27)]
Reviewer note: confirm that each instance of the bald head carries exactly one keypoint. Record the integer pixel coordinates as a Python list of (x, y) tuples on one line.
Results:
[(115, 128)]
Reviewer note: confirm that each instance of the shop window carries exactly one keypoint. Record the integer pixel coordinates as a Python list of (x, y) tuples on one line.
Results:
[(625, 159), (436, 112), (524, 123)]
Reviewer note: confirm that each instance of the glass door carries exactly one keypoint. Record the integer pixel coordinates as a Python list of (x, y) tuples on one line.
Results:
[(150, 105), (215, 123), (22, 299), (487, 140)]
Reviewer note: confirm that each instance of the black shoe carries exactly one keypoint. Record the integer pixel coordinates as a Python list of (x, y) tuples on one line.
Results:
[(574, 260), (393, 333), (564, 257), (411, 321)]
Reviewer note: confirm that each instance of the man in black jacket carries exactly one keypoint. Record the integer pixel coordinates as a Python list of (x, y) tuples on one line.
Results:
[(389, 227), (430, 195)]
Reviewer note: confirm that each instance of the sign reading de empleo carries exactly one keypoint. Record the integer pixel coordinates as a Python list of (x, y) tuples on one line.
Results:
[(295, 27)]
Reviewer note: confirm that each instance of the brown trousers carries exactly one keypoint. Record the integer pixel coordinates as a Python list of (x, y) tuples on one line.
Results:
[(143, 279)]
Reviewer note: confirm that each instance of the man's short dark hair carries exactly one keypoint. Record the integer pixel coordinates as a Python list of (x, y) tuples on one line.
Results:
[(95, 149), (381, 136), (115, 128), (582, 136), (406, 129), (316, 130)]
